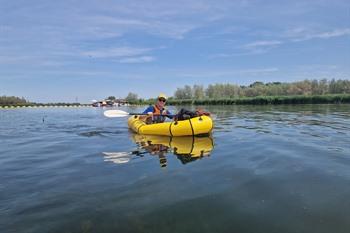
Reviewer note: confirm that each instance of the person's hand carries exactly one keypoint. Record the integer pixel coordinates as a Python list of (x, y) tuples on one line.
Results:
[(150, 113)]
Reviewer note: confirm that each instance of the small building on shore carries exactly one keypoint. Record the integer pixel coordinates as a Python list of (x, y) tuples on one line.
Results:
[(110, 103)]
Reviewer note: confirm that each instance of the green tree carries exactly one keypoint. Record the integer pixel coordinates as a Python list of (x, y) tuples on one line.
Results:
[(188, 92), (198, 92), (179, 93), (224, 91), (209, 92), (256, 84), (111, 98), (131, 97), (12, 100)]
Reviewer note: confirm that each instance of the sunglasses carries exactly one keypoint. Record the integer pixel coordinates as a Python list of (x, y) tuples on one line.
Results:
[(162, 100)]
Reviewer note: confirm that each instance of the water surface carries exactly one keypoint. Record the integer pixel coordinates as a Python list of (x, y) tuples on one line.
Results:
[(268, 169)]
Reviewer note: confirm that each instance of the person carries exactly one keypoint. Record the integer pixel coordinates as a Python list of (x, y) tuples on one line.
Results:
[(157, 113), (160, 150)]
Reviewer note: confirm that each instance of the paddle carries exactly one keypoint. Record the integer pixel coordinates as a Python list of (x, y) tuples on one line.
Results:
[(120, 113), (117, 157), (121, 157)]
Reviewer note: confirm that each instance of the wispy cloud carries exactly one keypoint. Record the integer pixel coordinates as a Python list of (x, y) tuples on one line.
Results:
[(119, 52), (303, 34), (31, 60), (58, 33), (318, 71), (213, 74), (261, 46), (141, 59), (100, 26), (237, 53), (262, 43), (253, 48), (293, 35)]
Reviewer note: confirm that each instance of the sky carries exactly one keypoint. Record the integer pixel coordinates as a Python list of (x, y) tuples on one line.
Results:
[(69, 50)]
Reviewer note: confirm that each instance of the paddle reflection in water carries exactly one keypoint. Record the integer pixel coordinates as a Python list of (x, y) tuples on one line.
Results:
[(186, 148)]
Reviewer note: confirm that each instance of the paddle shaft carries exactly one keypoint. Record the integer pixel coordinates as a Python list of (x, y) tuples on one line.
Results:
[(120, 113), (146, 114)]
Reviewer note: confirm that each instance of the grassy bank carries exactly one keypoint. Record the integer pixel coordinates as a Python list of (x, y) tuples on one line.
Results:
[(261, 100), (43, 105)]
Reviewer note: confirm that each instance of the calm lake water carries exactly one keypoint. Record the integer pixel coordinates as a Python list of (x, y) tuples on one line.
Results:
[(264, 169)]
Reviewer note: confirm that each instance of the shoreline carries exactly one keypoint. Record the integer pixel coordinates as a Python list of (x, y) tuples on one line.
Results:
[(43, 106), (259, 100)]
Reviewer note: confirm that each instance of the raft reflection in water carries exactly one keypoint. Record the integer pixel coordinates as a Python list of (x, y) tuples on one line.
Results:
[(185, 148)]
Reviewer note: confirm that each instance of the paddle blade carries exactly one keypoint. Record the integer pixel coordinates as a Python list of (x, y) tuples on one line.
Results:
[(117, 157), (115, 113)]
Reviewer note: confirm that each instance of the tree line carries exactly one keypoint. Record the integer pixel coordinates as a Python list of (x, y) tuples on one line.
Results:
[(12, 100), (229, 91), (309, 91), (20, 101)]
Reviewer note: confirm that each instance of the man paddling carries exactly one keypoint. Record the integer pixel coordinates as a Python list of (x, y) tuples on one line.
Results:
[(157, 113)]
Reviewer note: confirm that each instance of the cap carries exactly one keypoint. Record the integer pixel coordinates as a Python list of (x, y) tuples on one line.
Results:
[(162, 95)]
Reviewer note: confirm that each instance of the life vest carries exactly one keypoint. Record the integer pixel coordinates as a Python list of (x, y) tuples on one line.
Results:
[(157, 118)]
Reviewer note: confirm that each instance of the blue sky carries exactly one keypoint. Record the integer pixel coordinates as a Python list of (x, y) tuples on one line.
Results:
[(59, 51)]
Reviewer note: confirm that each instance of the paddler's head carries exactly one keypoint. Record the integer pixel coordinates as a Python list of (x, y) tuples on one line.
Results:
[(161, 100)]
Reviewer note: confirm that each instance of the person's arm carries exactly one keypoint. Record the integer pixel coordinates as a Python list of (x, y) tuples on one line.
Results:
[(169, 114), (149, 109)]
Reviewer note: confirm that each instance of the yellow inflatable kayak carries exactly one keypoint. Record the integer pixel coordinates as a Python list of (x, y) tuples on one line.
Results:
[(186, 146), (194, 126)]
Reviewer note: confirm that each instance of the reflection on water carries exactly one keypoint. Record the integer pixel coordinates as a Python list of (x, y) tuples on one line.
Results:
[(186, 149)]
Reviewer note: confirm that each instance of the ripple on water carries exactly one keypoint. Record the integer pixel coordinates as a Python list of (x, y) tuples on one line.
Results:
[(100, 133)]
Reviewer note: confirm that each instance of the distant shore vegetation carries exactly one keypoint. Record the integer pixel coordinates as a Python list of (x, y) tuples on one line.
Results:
[(301, 92), (22, 102), (225, 91), (12, 100)]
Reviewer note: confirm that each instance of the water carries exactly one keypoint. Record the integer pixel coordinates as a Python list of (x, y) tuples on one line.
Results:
[(265, 169)]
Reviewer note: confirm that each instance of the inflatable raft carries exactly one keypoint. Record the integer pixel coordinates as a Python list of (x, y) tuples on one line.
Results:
[(195, 126)]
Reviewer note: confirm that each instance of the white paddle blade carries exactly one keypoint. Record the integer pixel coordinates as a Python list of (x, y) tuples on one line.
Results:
[(117, 157), (115, 113)]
